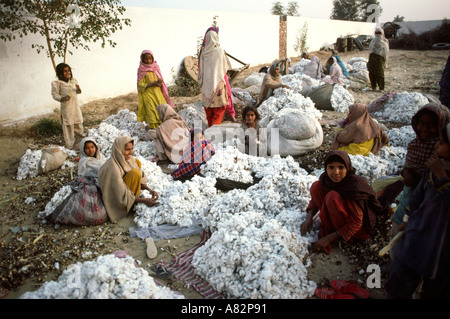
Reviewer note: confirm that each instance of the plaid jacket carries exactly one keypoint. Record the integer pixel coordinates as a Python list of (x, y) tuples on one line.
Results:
[(193, 157)]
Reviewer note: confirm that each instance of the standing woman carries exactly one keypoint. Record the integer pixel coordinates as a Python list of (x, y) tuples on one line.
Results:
[(121, 180), (347, 204), (152, 90), (378, 59), (213, 80)]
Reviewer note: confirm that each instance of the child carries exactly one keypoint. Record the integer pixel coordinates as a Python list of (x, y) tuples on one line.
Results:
[(91, 159), (194, 156), (152, 90), (253, 134), (65, 90), (426, 124), (424, 251)]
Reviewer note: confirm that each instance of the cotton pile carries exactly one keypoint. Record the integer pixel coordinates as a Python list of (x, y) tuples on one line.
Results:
[(108, 277), (299, 67), (341, 99), (29, 162), (285, 98), (300, 83), (401, 107)]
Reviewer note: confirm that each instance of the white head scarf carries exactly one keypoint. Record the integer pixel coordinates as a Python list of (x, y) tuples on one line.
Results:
[(379, 45), (213, 65), (89, 166)]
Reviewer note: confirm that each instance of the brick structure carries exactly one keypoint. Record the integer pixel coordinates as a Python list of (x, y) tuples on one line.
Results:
[(282, 51)]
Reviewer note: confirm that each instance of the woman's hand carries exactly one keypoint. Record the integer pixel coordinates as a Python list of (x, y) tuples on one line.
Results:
[(65, 99), (436, 167), (154, 194), (306, 226), (78, 89), (323, 242)]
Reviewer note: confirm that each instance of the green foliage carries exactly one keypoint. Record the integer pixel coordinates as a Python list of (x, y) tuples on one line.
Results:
[(301, 40), (291, 10), (48, 127), (98, 20), (399, 19), (356, 10)]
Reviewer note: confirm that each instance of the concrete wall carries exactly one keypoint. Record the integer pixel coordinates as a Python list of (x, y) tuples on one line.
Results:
[(25, 76)]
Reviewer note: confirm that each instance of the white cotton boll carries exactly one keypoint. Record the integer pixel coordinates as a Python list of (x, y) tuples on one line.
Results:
[(299, 67), (108, 277), (126, 120), (105, 135), (341, 99), (401, 136), (28, 166), (260, 260), (254, 79), (56, 200), (194, 115), (179, 203), (300, 83), (402, 107), (285, 98), (29, 200)]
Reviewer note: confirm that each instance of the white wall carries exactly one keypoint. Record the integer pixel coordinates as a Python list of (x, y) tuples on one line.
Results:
[(25, 76), (323, 32)]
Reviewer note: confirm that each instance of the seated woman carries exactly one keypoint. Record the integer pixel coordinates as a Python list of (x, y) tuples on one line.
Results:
[(194, 156), (335, 75), (171, 137), (91, 159), (359, 133), (347, 204), (121, 180), (271, 82), (84, 206), (314, 68)]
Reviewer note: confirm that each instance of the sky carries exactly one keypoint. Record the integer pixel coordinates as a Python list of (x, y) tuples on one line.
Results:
[(412, 10)]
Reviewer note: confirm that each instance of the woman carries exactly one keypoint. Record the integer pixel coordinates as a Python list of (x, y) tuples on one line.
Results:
[(91, 159), (121, 180), (347, 204), (272, 81), (360, 134), (152, 90), (314, 68), (213, 80), (378, 59), (335, 75), (171, 137), (194, 156)]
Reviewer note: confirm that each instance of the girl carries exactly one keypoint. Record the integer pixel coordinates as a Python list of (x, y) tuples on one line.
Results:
[(378, 56), (91, 159), (423, 253), (359, 133), (213, 80), (65, 90), (347, 203), (272, 81), (121, 180), (152, 90), (426, 123), (253, 134), (194, 156)]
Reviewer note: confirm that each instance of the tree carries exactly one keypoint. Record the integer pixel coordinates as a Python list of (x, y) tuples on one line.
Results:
[(345, 10), (369, 10), (291, 10), (356, 10), (399, 19), (277, 8), (62, 23)]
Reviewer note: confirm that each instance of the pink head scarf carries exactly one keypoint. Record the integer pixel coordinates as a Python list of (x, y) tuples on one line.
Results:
[(154, 67)]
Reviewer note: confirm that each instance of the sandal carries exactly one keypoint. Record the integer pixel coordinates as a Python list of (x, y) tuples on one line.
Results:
[(152, 251), (327, 293), (350, 287)]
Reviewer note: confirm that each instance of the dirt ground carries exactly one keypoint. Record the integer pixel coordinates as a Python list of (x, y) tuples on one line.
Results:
[(32, 253)]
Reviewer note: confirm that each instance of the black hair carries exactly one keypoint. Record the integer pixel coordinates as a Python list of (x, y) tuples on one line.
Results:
[(194, 132), (335, 158), (60, 71), (254, 110)]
